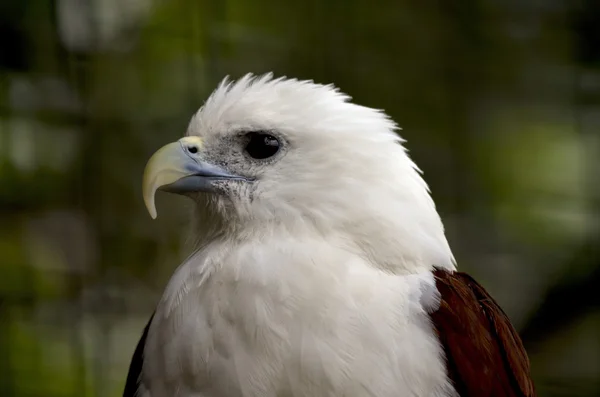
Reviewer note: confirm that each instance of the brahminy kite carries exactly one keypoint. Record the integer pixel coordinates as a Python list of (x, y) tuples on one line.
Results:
[(321, 268)]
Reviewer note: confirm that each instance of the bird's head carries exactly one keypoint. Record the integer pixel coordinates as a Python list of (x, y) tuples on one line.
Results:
[(266, 156)]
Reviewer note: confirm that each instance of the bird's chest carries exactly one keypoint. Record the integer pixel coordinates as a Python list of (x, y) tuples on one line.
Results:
[(293, 331)]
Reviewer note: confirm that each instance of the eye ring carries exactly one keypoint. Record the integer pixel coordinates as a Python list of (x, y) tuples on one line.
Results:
[(261, 145)]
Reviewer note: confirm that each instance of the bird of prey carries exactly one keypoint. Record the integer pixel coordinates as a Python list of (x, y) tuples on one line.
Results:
[(321, 267)]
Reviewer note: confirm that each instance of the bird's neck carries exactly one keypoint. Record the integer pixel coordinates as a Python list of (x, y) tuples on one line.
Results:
[(381, 250)]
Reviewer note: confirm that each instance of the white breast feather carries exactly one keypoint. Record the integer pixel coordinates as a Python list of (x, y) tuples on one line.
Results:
[(284, 318)]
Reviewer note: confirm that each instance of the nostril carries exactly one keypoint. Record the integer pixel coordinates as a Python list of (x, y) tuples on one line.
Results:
[(192, 149)]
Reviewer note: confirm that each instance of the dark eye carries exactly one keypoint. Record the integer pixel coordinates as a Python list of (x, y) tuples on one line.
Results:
[(261, 145)]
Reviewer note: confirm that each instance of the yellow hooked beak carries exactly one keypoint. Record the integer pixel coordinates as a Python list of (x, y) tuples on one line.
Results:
[(179, 168)]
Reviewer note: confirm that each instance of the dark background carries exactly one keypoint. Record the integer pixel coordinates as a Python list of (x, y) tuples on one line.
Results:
[(499, 101)]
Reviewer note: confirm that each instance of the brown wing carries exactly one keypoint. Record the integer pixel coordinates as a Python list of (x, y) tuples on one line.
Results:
[(133, 381), (485, 356)]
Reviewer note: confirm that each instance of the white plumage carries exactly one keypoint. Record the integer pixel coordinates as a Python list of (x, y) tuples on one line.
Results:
[(315, 279)]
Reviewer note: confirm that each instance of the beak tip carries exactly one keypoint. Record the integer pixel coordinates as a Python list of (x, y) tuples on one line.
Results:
[(152, 212), (150, 205)]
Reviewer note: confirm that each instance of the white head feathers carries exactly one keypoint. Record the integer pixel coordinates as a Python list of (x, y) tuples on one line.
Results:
[(342, 171)]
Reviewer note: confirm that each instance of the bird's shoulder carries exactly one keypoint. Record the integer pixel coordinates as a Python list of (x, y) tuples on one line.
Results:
[(133, 382), (484, 353)]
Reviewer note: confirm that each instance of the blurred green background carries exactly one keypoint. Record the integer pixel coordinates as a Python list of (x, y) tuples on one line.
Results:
[(499, 102)]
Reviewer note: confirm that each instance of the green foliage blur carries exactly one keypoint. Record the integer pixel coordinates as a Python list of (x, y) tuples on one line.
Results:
[(499, 102)]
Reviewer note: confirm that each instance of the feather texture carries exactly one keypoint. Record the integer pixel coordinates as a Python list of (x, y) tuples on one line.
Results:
[(484, 353), (293, 317), (133, 382)]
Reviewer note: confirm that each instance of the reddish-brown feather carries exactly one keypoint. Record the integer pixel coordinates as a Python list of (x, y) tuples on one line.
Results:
[(484, 354)]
